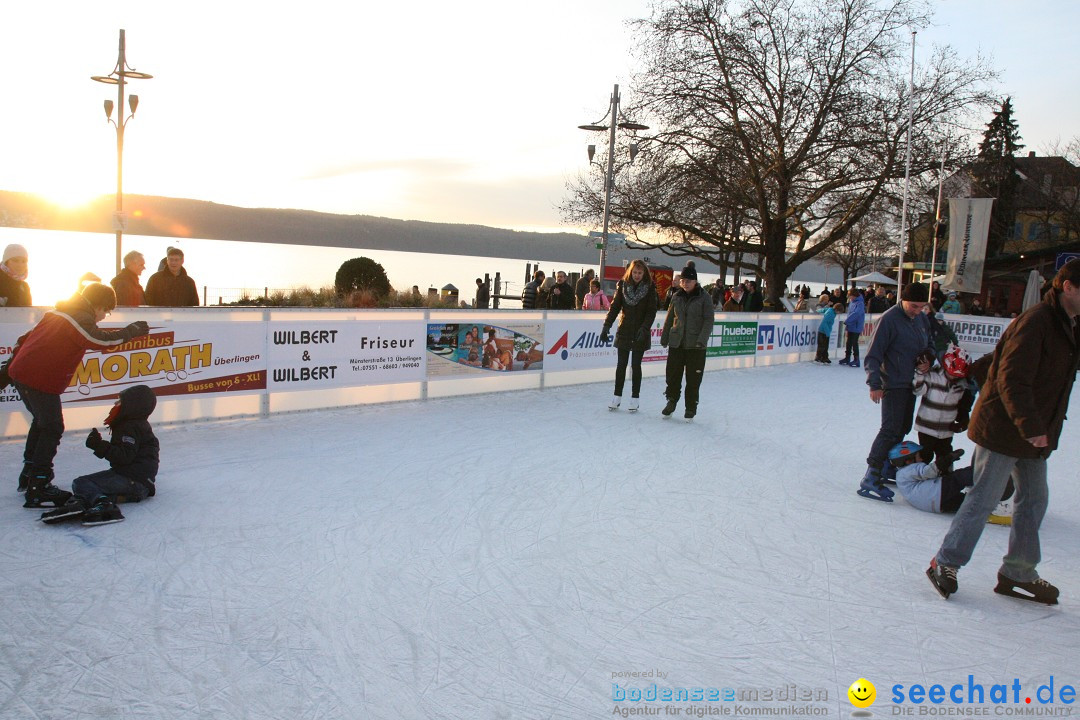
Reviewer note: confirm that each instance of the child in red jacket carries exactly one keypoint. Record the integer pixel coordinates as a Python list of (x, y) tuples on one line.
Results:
[(41, 368)]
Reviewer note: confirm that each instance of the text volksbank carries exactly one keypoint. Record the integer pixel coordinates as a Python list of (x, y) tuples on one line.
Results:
[(771, 336)]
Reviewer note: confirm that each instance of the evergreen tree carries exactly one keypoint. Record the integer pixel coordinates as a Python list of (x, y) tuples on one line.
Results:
[(995, 172)]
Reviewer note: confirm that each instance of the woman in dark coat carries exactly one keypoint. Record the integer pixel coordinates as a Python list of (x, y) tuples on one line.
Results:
[(635, 299)]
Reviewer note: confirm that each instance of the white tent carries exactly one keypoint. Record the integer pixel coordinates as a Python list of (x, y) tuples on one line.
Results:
[(1032, 296), (875, 278)]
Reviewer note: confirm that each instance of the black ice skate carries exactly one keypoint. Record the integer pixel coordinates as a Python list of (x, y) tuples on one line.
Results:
[(42, 493), (942, 577), (1036, 591), (690, 413), (669, 408), (103, 512), (73, 509)]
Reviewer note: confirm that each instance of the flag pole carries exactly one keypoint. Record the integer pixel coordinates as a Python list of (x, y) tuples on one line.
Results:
[(937, 215), (907, 168)]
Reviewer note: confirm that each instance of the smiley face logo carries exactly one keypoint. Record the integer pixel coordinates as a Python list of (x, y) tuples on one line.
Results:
[(862, 693)]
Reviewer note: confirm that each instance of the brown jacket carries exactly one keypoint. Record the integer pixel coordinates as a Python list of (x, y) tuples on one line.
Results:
[(1031, 377)]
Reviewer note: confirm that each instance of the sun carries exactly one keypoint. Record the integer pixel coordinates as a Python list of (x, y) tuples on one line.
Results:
[(69, 196)]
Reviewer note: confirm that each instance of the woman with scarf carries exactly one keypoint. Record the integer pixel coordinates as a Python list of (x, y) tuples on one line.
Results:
[(14, 292), (635, 300)]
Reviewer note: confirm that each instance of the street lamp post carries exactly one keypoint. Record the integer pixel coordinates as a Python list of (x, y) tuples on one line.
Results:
[(609, 174), (119, 77)]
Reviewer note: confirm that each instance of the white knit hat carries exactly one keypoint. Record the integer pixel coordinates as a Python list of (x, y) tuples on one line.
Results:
[(13, 251)]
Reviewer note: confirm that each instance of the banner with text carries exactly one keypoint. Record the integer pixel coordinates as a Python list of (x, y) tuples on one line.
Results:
[(969, 225), (180, 359), (786, 335), (310, 355)]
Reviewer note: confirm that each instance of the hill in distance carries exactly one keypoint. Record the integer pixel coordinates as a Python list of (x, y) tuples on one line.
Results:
[(177, 217)]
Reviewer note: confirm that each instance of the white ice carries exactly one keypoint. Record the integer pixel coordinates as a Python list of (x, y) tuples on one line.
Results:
[(505, 555)]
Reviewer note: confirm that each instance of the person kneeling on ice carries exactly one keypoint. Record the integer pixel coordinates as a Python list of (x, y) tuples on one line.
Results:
[(132, 453)]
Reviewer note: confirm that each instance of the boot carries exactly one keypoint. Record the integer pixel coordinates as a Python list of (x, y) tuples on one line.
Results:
[(41, 491), (669, 408), (690, 413), (102, 512), (633, 406), (614, 404), (854, 362), (943, 578)]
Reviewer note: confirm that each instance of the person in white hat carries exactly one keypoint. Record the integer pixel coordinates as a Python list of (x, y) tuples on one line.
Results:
[(14, 291)]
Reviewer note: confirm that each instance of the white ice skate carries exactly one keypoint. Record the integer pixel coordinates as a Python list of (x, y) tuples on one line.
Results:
[(633, 406), (614, 404), (1002, 514)]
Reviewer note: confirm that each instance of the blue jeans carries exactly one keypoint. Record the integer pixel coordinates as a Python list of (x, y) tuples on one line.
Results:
[(111, 483), (897, 415), (992, 471)]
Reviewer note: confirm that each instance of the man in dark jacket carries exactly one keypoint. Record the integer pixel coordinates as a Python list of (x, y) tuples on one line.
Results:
[(129, 292), (582, 288), (14, 291), (1016, 424), (528, 293), (483, 295), (902, 334), (562, 295), (878, 302), (756, 301), (132, 452), (171, 286)]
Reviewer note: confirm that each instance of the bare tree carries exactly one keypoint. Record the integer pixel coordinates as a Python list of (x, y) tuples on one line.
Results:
[(870, 239), (781, 124)]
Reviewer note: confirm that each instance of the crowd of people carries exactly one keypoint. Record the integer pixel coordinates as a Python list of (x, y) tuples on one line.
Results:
[(170, 286)]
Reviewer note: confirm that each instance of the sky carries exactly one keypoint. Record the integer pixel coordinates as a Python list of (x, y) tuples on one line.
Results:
[(464, 112)]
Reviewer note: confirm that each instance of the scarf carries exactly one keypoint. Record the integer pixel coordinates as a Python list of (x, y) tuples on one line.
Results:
[(12, 273), (633, 294)]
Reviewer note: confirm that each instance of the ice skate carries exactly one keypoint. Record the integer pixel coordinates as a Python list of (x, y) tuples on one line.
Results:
[(1037, 591), (943, 578), (854, 363), (1002, 514), (73, 509), (24, 479), (633, 406), (614, 404), (103, 512), (845, 361), (872, 487), (41, 493), (669, 408), (690, 413)]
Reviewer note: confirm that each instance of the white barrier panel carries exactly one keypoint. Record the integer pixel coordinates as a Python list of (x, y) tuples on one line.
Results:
[(236, 362), (320, 354)]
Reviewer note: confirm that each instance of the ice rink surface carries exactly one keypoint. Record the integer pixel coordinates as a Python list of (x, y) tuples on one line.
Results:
[(516, 555)]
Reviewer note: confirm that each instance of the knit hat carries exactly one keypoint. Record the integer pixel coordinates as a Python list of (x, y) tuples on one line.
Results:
[(14, 251), (916, 292), (689, 272)]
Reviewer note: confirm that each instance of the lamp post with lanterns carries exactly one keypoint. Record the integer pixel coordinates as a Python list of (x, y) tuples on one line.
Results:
[(119, 77), (609, 175)]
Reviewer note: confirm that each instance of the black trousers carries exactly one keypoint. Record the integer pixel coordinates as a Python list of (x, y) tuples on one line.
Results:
[(634, 357), (822, 348), (688, 361), (46, 428), (852, 347)]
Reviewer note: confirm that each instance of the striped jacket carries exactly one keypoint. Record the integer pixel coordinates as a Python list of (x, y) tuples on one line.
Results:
[(941, 397)]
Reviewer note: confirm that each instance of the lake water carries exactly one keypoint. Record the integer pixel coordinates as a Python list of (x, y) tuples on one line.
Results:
[(59, 258)]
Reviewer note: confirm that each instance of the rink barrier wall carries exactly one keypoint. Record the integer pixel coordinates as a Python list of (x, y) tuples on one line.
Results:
[(218, 363)]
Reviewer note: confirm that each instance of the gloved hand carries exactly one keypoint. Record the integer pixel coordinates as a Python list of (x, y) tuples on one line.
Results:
[(137, 329), (605, 335), (960, 424), (945, 462), (94, 439), (642, 335)]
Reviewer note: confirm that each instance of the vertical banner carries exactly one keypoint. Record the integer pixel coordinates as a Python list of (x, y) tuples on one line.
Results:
[(969, 224)]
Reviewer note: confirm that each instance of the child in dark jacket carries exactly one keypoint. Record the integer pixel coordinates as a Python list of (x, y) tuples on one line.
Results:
[(132, 453)]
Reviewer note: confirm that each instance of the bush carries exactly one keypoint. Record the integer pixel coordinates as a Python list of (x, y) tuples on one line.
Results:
[(361, 274)]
